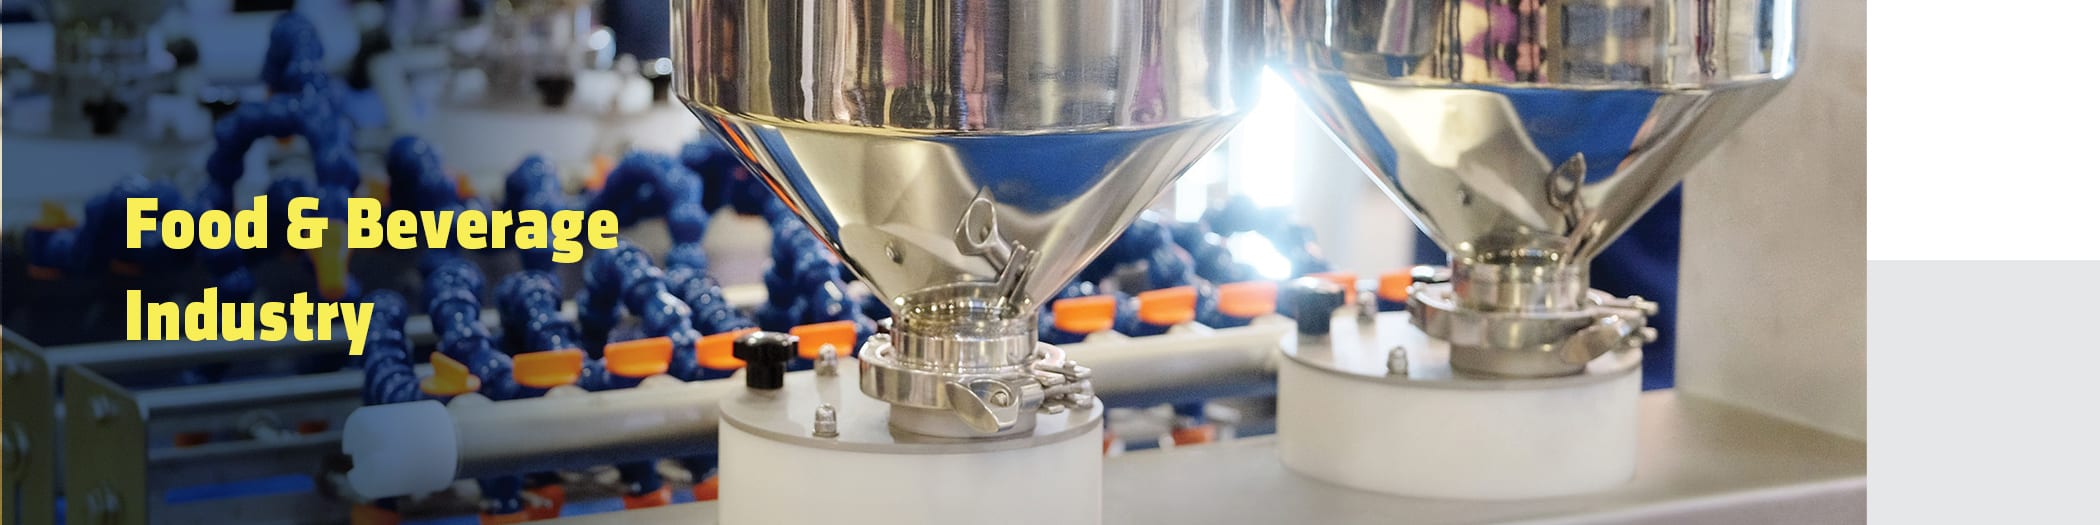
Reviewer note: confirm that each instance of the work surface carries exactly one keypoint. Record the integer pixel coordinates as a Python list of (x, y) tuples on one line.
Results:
[(1701, 462)]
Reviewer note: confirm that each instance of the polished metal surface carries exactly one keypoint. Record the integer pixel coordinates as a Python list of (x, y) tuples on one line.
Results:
[(947, 141), (862, 423), (675, 420), (1526, 136), (966, 159), (1701, 462), (1365, 350)]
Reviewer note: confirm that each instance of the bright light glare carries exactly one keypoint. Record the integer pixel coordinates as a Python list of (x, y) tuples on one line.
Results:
[(1256, 250), (1265, 148)]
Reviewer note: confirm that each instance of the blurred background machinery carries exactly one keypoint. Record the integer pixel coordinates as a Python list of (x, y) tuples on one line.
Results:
[(544, 372)]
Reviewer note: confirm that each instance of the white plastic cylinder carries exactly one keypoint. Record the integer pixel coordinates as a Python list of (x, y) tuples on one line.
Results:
[(769, 481), (1457, 443), (404, 448)]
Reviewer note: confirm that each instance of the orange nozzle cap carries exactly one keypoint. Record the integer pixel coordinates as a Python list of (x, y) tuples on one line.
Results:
[(1167, 306), (1247, 300), (332, 261), (1084, 315), (191, 439), (1195, 435), (601, 165), (366, 514), (53, 216), (639, 357), (376, 188), (551, 497), (708, 490), (311, 426), (462, 186), (45, 273), (1392, 286), (839, 334), (1346, 280), (547, 369), (505, 519), (715, 351), (449, 378), (126, 268), (655, 498)]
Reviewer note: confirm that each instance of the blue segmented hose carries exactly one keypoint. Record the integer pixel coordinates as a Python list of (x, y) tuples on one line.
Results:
[(648, 185), (623, 277), (97, 243), (453, 294), (534, 185), (804, 286)]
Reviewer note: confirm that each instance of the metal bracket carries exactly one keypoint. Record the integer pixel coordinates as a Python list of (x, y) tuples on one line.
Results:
[(1531, 344), (28, 433), (105, 453)]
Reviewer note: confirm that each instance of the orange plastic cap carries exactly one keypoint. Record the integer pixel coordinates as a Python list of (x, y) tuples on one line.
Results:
[(462, 186), (601, 165), (53, 216), (708, 490), (716, 351), (126, 268), (505, 519), (45, 273), (1167, 306), (1195, 435), (449, 378), (1392, 286), (639, 357), (1247, 300), (366, 514), (547, 369), (1346, 280), (191, 439), (1084, 315), (551, 498), (839, 334)]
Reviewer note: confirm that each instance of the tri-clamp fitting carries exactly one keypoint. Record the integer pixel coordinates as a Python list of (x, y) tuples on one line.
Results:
[(961, 361), (1513, 319)]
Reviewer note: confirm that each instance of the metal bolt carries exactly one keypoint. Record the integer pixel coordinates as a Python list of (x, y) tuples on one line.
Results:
[(102, 409), (827, 425), (16, 445), (1002, 398), (1396, 362), (104, 506), (894, 255), (828, 361)]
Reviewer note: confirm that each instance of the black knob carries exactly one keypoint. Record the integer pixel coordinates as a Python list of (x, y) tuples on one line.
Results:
[(103, 114), (555, 89), (1313, 301), (765, 356)]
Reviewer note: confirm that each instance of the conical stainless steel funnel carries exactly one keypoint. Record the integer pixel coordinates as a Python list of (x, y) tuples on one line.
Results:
[(1525, 135), (967, 158)]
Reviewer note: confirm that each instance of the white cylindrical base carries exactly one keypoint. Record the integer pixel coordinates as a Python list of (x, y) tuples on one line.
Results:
[(1457, 443), (771, 481)]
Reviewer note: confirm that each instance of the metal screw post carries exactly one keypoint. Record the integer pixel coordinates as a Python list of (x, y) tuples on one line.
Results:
[(827, 361), (104, 506), (1396, 362), (827, 425), (102, 409)]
